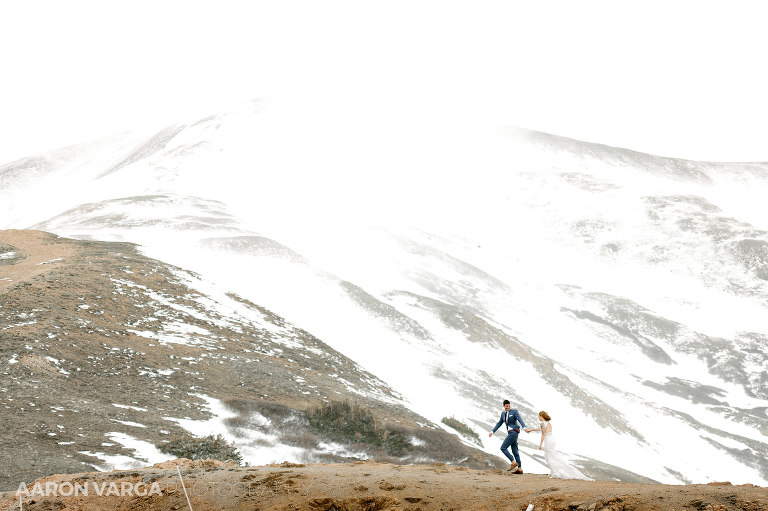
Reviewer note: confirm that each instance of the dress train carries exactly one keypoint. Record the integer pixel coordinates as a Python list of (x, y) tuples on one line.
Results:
[(558, 465)]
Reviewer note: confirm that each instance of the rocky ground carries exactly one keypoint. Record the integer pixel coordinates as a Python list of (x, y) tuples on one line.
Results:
[(102, 349), (213, 485)]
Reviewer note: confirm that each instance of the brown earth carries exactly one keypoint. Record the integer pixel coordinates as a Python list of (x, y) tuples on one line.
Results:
[(35, 257), (213, 485)]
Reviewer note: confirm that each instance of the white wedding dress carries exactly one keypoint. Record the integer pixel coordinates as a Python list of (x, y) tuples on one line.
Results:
[(558, 466)]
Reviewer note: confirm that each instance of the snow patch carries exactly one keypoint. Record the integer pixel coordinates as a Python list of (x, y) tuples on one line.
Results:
[(130, 407), (51, 261), (129, 423)]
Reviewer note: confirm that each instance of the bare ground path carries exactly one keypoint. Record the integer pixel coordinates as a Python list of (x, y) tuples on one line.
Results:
[(368, 485)]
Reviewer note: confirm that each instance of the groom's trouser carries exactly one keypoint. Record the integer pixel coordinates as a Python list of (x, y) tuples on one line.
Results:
[(511, 441)]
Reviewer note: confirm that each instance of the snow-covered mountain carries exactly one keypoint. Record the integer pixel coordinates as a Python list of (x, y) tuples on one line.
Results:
[(625, 294)]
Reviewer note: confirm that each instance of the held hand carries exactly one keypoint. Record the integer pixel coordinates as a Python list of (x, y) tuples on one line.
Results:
[(490, 434), (527, 430)]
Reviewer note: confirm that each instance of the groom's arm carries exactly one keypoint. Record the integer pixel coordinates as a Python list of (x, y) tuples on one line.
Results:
[(520, 419), (498, 424)]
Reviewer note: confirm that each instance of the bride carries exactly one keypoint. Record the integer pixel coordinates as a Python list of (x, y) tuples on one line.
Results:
[(558, 466)]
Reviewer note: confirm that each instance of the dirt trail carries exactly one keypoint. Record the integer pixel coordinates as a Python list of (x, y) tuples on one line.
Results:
[(213, 485), (34, 255)]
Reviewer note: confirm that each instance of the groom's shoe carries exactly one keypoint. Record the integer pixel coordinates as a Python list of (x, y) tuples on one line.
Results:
[(518, 471), (512, 467)]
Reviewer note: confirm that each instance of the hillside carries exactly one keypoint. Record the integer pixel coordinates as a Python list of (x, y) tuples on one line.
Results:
[(107, 354), (429, 270)]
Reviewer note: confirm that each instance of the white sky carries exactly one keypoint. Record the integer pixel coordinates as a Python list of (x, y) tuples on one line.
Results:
[(682, 78)]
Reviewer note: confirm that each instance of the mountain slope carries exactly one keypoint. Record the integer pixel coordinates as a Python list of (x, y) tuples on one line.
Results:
[(624, 293), (107, 354)]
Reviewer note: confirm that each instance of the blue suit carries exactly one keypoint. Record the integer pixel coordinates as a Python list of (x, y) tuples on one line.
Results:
[(513, 421)]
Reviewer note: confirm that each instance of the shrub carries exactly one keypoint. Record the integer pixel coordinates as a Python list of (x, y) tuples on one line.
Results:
[(352, 423), (205, 448), (462, 429)]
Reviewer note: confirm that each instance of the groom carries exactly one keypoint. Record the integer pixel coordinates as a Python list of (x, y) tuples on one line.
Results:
[(510, 418)]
